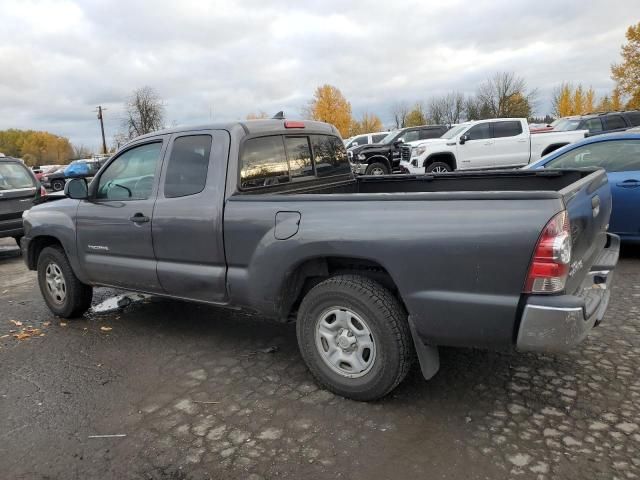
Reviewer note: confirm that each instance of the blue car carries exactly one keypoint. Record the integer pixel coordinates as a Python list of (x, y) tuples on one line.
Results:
[(619, 155)]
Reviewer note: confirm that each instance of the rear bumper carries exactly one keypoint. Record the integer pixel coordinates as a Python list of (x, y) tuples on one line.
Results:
[(558, 323), (11, 228)]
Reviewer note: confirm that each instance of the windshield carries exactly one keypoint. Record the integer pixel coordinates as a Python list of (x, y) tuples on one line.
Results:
[(454, 131), (14, 176), (566, 124), (391, 137)]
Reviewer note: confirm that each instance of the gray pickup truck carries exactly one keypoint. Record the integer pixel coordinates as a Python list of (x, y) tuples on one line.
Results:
[(265, 216)]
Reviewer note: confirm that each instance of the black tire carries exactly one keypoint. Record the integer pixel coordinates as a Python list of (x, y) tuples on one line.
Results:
[(376, 167), (387, 321), (57, 185), (438, 165), (78, 296)]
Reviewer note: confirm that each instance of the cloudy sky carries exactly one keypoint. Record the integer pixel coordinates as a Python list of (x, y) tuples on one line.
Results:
[(221, 60)]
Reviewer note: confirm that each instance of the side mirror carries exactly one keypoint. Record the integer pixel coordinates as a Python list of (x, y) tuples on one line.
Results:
[(463, 139), (77, 189), (398, 142)]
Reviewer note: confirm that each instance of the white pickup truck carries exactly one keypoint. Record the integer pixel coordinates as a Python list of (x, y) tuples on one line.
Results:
[(483, 144)]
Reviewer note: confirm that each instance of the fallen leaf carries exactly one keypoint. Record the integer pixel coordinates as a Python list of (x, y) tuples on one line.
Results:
[(5, 336), (63, 324), (16, 323), (4, 291), (106, 329), (22, 335), (46, 324)]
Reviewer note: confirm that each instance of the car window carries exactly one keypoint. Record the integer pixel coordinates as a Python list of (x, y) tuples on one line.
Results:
[(506, 129), (634, 118), (263, 162), (411, 136), (14, 176), (613, 156), (188, 165), (378, 137), (614, 122), (131, 175), (329, 155), (479, 132), (593, 125), (299, 156), (426, 133), (360, 140)]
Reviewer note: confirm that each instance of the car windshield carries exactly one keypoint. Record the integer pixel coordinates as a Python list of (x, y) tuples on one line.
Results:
[(566, 124), (454, 131), (14, 176), (390, 138)]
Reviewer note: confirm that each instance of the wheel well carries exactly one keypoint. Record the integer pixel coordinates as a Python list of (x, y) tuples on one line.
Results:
[(311, 272), (447, 158), (379, 159), (551, 148), (36, 246)]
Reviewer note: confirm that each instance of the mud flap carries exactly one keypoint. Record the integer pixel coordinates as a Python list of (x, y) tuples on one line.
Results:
[(427, 354)]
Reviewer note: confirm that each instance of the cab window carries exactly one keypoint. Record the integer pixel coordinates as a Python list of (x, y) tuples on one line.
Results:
[(264, 162), (613, 156), (479, 132), (188, 165), (130, 176), (329, 155)]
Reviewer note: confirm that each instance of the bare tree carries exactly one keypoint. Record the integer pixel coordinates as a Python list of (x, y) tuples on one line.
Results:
[(81, 151), (506, 95), (144, 112), (447, 109), (400, 110)]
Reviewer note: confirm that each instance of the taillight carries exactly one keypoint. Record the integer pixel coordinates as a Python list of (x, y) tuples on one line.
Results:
[(293, 124), (550, 264)]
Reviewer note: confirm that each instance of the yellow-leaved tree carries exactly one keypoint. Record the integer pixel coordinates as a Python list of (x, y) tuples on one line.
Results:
[(368, 123), (416, 116), (627, 73), (590, 101), (329, 105), (578, 101)]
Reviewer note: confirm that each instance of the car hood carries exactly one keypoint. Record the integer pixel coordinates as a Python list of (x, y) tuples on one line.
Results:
[(431, 142)]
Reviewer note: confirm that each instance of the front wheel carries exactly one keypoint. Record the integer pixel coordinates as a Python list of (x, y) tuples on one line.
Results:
[(377, 168), (64, 294), (354, 337), (438, 167), (57, 185)]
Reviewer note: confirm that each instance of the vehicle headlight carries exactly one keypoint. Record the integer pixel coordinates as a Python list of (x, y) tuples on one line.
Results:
[(419, 150), (361, 156)]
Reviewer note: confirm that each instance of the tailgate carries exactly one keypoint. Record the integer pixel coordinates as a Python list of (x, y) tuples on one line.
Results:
[(14, 202), (588, 203)]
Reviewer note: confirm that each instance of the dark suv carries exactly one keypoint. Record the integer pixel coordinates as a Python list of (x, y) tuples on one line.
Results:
[(384, 157), (597, 123), (18, 189)]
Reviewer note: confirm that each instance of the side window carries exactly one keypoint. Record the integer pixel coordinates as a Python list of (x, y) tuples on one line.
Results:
[(479, 132), (430, 133), (506, 129), (131, 175), (593, 125), (188, 165), (613, 156), (329, 156), (299, 156), (378, 137), (614, 122), (634, 118), (411, 136), (263, 162)]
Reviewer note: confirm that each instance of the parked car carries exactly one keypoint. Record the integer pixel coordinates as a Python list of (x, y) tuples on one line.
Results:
[(484, 144), (76, 169), (365, 139), (598, 123), (18, 189), (239, 215), (619, 155), (384, 157)]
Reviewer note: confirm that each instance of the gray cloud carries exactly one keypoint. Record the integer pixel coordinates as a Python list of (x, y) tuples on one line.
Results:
[(222, 60)]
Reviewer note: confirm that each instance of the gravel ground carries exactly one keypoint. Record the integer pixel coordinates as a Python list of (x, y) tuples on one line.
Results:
[(197, 392)]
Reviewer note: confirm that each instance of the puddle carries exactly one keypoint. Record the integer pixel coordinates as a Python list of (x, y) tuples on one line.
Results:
[(118, 302)]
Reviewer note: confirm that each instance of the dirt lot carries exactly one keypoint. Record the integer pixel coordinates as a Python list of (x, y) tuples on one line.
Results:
[(196, 392)]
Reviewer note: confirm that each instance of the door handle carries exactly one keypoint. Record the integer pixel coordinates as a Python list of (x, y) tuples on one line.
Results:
[(139, 218), (632, 183)]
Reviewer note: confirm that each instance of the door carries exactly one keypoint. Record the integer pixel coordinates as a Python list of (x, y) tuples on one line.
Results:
[(187, 219), (477, 150), (114, 225), (511, 144), (621, 159)]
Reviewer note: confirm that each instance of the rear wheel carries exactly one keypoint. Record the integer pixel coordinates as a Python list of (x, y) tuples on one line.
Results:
[(57, 185), (354, 337), (438, 167), (377, 168), (64, 294)]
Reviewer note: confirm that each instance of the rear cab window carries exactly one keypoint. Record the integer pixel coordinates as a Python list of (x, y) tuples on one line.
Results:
[(506, 129), (634, 118), (615, 122), (15, 176), (277, 159)]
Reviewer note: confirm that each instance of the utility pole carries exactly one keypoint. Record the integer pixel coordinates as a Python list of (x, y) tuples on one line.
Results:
[(104, 143)]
